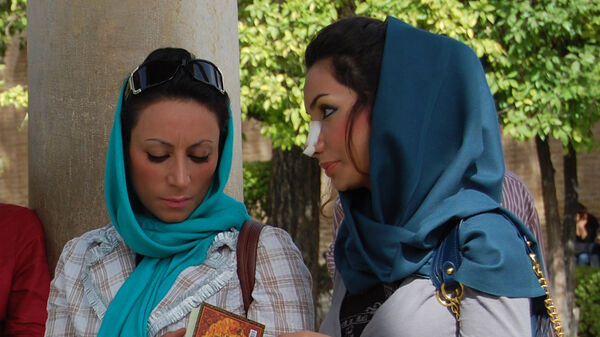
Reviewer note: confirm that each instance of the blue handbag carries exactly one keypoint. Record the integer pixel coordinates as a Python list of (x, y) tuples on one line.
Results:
[(446, 261)]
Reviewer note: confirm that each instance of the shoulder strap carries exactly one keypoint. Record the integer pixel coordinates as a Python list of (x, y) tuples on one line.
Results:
[(446, 259), (445, 263), (246, 258)]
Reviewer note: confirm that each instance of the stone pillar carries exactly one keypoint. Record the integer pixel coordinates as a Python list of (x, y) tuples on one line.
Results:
[(79, 55)]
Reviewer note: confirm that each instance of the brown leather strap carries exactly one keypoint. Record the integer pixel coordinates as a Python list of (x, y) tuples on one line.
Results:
[(246, 258)]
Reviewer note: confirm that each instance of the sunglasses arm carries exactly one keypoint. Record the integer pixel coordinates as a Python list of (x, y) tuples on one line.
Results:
[(131, 85)]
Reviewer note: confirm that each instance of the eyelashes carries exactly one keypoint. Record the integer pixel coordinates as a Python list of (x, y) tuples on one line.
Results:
[(160, 159), (157, 159), (197, 159), (327, 110)]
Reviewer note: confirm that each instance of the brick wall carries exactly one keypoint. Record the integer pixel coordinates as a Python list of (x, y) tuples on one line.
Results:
[(521, 158), (254, 145), (13, 133), (588, 171)]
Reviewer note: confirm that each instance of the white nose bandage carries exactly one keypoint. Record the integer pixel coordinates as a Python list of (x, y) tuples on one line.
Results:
[(314, 129)]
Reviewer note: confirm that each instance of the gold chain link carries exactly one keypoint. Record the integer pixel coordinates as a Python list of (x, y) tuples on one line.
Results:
[(451, 299), (548, 302)]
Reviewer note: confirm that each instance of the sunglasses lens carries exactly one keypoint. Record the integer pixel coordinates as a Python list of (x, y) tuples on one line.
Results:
[(207, 73), (154, 73), (157, 72)]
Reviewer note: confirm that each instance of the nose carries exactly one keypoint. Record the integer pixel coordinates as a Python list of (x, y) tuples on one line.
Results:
[(179, 174), (314, 132), (319, 145)]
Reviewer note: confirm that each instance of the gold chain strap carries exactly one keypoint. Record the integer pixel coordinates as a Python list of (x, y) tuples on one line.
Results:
[(548, 302), (451, 299)]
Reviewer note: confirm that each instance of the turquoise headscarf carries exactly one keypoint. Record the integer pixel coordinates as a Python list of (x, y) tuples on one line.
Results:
[(435, 155), (168, 248)]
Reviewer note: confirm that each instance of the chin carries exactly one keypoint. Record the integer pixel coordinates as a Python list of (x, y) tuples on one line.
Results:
[(347, 180), (172, 218), (343, 187), (349, 186)]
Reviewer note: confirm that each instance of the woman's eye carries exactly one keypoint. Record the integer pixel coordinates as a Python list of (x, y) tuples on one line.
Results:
[(327, 110), (157, 159), (197, 159)]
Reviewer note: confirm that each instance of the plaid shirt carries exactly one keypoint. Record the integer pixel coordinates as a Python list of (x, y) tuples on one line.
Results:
[(93, 267)]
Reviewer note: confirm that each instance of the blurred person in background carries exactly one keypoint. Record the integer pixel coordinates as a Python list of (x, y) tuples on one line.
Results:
[(587, 238), (24, 274)]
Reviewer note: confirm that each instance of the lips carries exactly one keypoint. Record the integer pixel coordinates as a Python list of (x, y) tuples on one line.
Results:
[(329, 167), (176, 202)]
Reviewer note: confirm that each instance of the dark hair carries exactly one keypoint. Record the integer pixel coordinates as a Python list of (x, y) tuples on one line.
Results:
[(581, 209), (183, 87), (355, 47)]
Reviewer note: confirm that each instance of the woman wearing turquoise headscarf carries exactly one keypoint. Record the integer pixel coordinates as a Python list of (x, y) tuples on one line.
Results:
[(404, 124), (171, 244)]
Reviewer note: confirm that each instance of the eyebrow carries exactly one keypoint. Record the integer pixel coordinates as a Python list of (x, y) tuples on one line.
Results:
[(314, 101), (164, 142)]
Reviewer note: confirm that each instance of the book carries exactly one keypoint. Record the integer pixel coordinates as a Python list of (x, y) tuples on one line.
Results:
[(211, 321)]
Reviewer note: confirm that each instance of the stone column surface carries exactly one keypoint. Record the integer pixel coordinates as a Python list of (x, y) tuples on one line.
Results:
[(79, 54)]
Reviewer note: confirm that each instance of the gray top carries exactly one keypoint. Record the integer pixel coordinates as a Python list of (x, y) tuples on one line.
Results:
[(413, 310)]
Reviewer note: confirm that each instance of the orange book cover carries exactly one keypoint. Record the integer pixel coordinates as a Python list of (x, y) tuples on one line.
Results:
[(212, 321)]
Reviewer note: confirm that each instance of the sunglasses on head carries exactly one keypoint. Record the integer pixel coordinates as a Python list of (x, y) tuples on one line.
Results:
[(151, 74)]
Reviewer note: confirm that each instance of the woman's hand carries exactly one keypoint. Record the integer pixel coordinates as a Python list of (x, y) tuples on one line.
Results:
[(176, 333), (304, 333)]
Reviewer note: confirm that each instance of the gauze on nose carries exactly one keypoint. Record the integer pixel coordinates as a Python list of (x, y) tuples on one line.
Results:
[(314, 129)]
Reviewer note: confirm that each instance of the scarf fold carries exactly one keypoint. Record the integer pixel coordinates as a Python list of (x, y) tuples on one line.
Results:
[(168, 248), (435, 155)]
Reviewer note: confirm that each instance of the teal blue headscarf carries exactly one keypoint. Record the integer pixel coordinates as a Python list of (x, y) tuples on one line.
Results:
[(435, 155), (168, 248)]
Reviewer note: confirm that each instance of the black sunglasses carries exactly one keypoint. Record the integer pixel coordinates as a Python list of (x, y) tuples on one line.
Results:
[(151, 74)]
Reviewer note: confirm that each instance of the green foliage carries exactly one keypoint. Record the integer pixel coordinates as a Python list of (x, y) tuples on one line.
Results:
[(547, 82), (541, 58), (16, 96), (273, 36), (587, 298), (257, 176), (13, 20)]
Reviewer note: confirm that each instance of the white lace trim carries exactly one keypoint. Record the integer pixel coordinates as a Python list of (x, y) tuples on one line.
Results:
[(106, 243), (223, 268)]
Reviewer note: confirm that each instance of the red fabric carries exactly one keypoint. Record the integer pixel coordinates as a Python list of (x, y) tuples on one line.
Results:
[(24, 274)]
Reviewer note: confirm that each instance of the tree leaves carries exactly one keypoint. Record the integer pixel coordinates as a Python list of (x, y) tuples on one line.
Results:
[(552, 47), (13, 20), (540, 58), (15, 96), (273, 37)]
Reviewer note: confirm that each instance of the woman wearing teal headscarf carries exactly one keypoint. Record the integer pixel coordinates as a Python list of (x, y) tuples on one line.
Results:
[(171, 244), (404, 124)]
